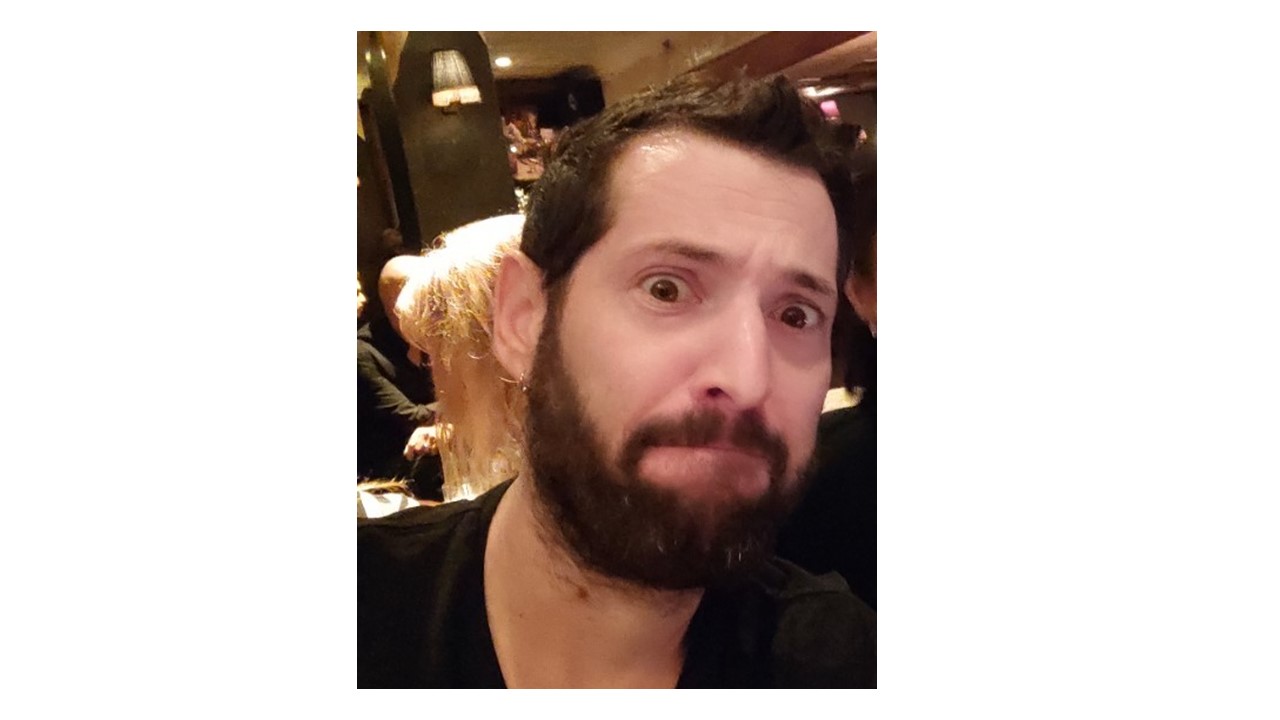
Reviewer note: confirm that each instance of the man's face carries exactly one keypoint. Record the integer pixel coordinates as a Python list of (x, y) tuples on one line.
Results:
[(680, 374)]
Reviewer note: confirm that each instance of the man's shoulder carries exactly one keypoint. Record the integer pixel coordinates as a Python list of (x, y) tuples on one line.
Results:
[(824, 636), (809, 630), (414, 536), (797, 594), (413, 532), (420, 597)]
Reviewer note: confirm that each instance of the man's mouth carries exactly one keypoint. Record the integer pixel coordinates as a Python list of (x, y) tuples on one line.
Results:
[(715, 463), (726, 447)]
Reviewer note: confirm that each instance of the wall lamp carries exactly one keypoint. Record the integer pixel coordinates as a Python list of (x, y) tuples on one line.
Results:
[(452, 84)]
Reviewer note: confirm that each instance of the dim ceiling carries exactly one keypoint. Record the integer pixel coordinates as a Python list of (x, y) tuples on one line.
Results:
[(851, 64)]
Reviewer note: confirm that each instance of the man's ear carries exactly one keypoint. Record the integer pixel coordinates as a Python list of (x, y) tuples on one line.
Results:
[(519, 305)]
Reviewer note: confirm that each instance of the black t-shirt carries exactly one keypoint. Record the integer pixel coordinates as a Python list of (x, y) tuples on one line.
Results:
[(422, 623)]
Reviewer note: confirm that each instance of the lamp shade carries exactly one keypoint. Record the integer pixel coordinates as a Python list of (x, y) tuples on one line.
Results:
[(451, 79)]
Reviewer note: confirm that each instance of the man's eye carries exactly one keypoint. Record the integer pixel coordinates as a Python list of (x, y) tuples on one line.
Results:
[(665, 288), (799, 316)]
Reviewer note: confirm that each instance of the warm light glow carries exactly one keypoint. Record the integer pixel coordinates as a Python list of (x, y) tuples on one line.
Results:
[(816, 92), (502, 62), (465, 95), (452, 81)]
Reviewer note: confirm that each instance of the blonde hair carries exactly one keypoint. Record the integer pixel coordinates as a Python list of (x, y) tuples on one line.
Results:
[(378, 487), (446, 310)]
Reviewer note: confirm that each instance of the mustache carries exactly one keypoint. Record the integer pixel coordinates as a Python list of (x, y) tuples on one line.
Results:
[(698, 428)]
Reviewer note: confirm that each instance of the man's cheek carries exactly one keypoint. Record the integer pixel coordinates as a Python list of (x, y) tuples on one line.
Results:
[(803, 443)]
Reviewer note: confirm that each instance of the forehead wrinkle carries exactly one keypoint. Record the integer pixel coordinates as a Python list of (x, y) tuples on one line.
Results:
[(638, 181), (684, 248), (633, 198)]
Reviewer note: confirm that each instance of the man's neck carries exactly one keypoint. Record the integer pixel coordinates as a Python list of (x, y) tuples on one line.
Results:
[(555, 624)]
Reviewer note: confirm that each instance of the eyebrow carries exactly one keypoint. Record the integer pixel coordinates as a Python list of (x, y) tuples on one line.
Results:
[(818, 285), (802, 278)]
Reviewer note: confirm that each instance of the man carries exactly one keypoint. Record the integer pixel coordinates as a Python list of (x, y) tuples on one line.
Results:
[(669, 316), (394, 389)]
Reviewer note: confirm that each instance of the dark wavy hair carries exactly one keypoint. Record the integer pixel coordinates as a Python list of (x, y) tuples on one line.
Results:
[(851, 338), (569, 210)]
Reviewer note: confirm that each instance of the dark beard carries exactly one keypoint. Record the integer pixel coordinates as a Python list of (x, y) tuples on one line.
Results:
[(617, 524)]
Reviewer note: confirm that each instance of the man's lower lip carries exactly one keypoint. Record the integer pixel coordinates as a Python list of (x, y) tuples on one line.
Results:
[(715, 448), (702, 468)]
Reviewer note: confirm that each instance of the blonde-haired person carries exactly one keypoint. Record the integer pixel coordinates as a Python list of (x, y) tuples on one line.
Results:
[(445, 310)]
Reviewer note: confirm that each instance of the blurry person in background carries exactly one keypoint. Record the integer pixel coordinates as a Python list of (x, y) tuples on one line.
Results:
[(668, 318), (360, 298), (394, 392), (526, 146), (446, 310), (860, 137), (853, 137)]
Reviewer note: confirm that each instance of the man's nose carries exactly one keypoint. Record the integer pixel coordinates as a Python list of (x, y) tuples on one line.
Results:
[(737, 364)]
